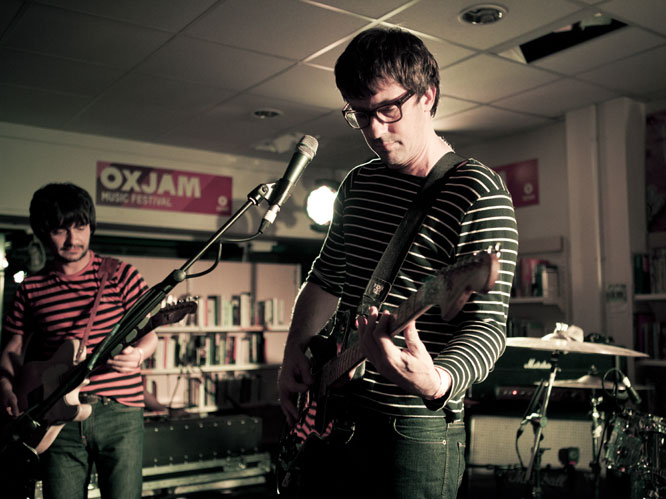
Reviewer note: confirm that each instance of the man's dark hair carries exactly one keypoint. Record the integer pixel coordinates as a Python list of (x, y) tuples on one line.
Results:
[(386, 54), (60, 205)]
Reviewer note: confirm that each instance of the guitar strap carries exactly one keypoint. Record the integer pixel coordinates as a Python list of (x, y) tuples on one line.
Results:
[(387, 268), (106, 270)]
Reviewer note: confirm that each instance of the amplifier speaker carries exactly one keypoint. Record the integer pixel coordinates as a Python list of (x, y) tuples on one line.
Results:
[(493, 438)]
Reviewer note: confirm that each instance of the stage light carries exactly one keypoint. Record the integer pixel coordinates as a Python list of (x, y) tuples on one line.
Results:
[(19, 276), (319, 204)]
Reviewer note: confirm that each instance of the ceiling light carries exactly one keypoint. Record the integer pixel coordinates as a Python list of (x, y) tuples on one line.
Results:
[(267, 113), (481, 14)]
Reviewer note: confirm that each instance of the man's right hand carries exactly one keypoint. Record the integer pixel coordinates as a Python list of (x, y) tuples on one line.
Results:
[(295, 378), (8, 400)]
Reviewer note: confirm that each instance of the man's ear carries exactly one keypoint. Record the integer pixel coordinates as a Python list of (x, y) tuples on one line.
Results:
[(429, 99)]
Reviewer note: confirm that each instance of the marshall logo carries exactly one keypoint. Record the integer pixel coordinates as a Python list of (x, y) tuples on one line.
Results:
[(537, 364)]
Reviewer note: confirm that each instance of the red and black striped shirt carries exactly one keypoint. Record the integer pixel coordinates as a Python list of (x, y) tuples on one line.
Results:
[(53, 307)]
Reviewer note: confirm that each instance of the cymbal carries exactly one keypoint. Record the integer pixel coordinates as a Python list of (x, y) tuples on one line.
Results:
[(591, 382), (563, 345)]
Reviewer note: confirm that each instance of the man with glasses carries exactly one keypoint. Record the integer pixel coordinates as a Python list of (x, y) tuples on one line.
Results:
[(406, 408)]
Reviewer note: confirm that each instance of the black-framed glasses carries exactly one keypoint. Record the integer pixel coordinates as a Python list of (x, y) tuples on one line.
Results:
[(386, 113)]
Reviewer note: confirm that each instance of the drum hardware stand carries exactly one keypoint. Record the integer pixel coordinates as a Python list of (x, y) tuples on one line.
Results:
[(539, 421), (597, 432)]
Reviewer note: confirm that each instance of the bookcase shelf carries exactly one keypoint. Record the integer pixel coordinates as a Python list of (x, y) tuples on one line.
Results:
[(650, 297), (218, 358), (194, 370), (536, 315)]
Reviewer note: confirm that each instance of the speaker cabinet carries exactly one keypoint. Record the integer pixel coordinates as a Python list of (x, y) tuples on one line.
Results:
[(492, 441)]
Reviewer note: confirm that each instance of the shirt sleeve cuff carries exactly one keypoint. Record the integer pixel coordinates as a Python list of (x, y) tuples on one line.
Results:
[(443, 394)]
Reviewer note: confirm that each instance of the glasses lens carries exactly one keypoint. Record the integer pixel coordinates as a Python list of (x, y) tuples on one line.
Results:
[(389, 114), (356, 119)]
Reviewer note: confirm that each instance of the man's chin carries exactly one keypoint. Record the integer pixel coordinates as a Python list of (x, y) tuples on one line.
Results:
[(72, 256)]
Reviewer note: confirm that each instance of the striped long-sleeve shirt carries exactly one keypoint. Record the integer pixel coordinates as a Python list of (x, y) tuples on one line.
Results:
[(472, 212), (52, 307)]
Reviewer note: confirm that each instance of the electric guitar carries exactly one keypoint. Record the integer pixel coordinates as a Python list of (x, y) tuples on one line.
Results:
[(321, 418), (36, 380)]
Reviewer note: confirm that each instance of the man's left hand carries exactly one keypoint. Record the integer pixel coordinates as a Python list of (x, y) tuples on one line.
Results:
[(128, 360)]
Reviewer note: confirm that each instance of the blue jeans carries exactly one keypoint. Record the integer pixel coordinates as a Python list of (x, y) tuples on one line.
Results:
[(112, 439), (391, 458)]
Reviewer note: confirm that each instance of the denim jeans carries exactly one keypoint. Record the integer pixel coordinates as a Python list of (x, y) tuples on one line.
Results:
[(391, 458), (112, 439)]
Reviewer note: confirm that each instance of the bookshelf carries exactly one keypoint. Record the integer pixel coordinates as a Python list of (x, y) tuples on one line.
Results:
[(540, 290), (227, 354)]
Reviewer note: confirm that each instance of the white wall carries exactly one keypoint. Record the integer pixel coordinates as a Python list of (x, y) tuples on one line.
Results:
[(548, 146), (31, 157)]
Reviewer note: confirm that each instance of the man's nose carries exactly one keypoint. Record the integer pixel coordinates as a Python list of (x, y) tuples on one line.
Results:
[(376, 128)]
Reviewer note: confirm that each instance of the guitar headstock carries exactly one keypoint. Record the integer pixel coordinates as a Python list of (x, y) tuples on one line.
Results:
[(174, 312)]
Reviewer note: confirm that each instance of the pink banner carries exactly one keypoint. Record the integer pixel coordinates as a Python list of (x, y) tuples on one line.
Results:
[(522, 180), (143, 187)]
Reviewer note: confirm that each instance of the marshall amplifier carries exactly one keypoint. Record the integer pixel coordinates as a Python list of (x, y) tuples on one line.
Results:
[(520, 370)]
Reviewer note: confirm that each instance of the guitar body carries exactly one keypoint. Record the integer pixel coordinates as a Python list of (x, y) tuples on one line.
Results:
[(323, 418), (41, 418), (37, 380), (322, 421)]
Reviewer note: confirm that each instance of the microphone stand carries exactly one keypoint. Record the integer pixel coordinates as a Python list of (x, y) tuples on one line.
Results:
[(21, 433), (539, 422)]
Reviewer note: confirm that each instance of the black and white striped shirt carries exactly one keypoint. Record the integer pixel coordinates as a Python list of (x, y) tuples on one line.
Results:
[(472, 212)]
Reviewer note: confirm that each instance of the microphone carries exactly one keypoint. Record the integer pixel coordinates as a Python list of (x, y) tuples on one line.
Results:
[(305, 151), (633, 394)]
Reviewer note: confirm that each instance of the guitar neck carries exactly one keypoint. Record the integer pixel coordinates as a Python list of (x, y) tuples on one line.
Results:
[(410, 309), (450, 289)]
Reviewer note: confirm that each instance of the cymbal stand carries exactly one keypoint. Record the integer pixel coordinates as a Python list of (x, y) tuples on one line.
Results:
[(539, 421), (597, 432)]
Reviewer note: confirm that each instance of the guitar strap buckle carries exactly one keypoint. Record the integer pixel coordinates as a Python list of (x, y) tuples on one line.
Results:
[(375, 294)]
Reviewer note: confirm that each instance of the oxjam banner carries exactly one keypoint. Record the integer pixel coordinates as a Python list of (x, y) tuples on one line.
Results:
[(143, 187)]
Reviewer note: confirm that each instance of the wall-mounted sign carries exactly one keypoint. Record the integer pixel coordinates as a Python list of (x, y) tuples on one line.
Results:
[(144, 187), (522, 180)]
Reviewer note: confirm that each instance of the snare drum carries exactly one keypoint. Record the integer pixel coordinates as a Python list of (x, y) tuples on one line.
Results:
[(624, 445)]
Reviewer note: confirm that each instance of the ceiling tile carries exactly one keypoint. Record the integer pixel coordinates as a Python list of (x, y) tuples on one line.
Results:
[(554, 99), (188, 59), (305, 84), (35, 107), (448, 106), (639, 75), (290, 29), (599, 51), (233, 123), (147, 90), (370, 8), (440, 19), (167, 15), (54, 73), (488, 119), (648, 13), (139, 122), (8, 9), (485, 78), (52, 31)]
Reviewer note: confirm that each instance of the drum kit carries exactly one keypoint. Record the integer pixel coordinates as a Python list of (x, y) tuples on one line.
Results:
[(627, 442)]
